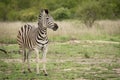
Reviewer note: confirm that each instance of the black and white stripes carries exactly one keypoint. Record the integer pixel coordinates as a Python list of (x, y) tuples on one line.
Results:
[(32, 38)]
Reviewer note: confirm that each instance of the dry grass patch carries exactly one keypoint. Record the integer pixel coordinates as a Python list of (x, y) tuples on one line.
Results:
[(68, 30)]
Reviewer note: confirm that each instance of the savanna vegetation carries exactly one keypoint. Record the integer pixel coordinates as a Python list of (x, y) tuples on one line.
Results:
[(85, 47), (88, 11), (11, 10)]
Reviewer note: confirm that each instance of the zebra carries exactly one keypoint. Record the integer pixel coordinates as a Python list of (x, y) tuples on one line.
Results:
[(34, 39)]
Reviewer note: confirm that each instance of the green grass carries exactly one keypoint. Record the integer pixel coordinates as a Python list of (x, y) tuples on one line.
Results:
[(104, 37), (73, 61), (65, 38), (7, 40)]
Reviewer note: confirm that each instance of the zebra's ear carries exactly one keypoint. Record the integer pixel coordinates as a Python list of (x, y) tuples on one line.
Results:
[(41, 10), (46, 11)]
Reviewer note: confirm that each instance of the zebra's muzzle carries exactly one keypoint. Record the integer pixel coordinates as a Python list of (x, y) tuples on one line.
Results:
[(55, 27)]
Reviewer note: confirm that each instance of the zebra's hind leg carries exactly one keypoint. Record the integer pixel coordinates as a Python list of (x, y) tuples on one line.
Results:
[(23, 51), (44, 60), (28, 60)]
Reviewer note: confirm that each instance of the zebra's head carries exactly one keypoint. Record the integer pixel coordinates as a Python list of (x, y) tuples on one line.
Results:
[(46, 20)]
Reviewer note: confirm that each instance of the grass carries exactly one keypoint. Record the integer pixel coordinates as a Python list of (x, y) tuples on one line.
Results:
[(68, 30), (67, 61)]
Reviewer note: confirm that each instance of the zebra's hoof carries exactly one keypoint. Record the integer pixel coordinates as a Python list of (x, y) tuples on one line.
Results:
[(46, 74)]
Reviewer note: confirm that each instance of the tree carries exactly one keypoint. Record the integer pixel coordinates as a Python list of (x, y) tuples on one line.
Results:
[(110, 9), (89, 12), (92, 10)]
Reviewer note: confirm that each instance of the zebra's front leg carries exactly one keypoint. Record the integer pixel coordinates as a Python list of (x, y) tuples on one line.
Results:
[(37, 60), (44, 60)]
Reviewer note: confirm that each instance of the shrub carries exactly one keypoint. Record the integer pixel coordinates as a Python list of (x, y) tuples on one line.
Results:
[(61, 13), (3, 12), (28, 15), (12, 16)]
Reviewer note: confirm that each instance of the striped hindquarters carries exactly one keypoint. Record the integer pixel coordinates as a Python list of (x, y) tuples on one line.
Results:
[(23, 38)]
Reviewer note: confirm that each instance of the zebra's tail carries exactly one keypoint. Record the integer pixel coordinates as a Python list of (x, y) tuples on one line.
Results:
[(6, 52), (3, 51)]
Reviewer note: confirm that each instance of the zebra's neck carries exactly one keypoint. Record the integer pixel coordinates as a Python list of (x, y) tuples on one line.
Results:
[(42, 32)]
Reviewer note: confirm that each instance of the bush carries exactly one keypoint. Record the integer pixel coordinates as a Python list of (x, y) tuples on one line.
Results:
[(61, 13), (12, 16), (3, 12), (28, 15)]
